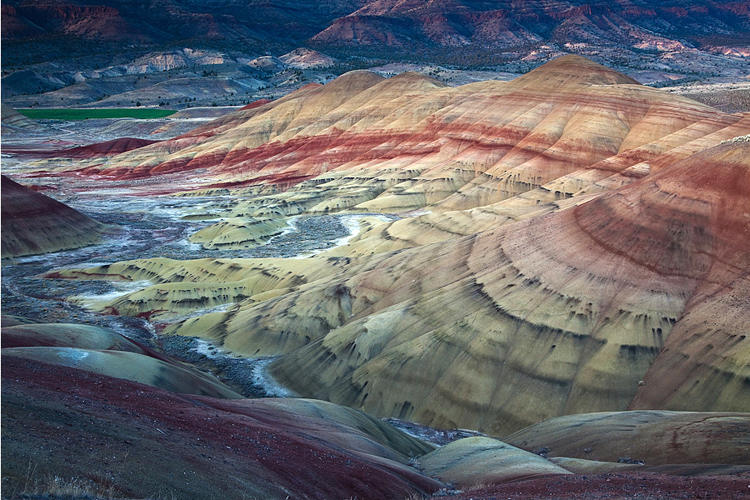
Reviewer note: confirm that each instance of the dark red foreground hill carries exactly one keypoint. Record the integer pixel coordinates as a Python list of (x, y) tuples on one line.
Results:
[(33, 223), (134, 441)]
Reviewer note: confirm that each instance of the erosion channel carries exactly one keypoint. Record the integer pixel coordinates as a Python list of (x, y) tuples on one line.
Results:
[(159, 226)]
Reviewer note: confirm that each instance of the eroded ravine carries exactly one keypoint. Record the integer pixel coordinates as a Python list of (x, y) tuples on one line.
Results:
[(149, 227)]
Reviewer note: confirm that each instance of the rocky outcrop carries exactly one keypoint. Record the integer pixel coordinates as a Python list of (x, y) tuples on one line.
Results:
[(279, 23), (33, 223), (506, 24), (306, 59)]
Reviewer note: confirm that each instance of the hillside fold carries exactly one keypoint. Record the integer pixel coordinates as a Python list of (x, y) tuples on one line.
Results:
[(571, 242)]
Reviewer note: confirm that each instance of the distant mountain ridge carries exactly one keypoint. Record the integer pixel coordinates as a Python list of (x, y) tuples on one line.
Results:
[(470, 26), (164, 21), (390, 25)]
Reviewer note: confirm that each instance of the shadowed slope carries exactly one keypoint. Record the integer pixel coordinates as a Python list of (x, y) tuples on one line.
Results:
[(33, 223), (68, 335), (618, 485), (170, 376), (99, 350)]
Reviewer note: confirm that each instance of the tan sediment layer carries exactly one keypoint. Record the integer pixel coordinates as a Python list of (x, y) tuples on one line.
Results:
[(477, 461), (652, 437)]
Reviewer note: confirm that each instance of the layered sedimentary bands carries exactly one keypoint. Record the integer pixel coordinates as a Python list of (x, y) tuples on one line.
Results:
[(33, 223), (582, 246), (100, 436), (98, 350), (114, 438)]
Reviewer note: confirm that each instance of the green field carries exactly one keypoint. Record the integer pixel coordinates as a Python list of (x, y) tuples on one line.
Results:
[(85, 114)]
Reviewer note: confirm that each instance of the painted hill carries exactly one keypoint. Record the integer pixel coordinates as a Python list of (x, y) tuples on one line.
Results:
[(368, 144), (33, 223), (194, 445), (559, 314), (584, 236), (161, 441)]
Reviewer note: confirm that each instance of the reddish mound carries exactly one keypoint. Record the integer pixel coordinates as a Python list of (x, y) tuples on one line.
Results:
[(108, 148), (33, 223), (136, 440), (621, 485), (16, 26), (681, 219), (692, 221), (256, 104)]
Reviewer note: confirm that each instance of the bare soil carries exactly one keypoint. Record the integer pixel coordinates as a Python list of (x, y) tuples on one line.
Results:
[(631, 485)]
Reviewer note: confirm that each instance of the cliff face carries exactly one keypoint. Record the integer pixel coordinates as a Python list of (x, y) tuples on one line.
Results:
[(661, 37), (171, 20), (33, 223), (502, 24)]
